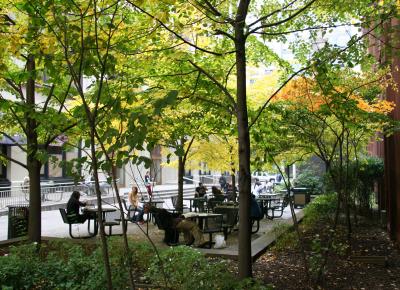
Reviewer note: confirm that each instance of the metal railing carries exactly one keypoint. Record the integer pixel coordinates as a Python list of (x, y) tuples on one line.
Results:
[(51, 192)]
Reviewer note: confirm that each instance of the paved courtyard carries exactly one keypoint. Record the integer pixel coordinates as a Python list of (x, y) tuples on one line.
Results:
[(54, 227)]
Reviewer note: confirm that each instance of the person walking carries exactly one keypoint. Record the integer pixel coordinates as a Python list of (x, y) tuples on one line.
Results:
[(147, 183), (222, 183)]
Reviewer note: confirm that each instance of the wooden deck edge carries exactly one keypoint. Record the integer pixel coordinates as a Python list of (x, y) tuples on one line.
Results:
[(258, 247)]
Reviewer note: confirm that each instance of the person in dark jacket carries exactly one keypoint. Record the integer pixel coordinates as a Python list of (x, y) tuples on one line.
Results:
[(222, 183), (73, 206), (255, 209), (173, 223), (201, 190)]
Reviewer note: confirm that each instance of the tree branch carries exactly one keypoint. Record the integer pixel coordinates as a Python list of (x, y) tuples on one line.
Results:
[(272, 13), (329, 57), (12, 139), (172, 31), (215, 81), (5, 156), (283, 20), (46, 103), (16, 88)]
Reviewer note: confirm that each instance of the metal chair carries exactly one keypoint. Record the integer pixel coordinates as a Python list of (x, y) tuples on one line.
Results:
[(71, 221), (112, 219), (229, 218), (277, 208), (131, 211), (213, 202), (174, 200), (212, 224)]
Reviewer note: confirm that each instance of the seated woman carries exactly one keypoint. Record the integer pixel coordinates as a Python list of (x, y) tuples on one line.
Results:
[(218, 198), (218, 194), (73, 206), (134, 200)]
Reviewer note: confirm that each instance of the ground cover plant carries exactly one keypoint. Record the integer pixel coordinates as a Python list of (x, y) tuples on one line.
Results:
[(69, 265)]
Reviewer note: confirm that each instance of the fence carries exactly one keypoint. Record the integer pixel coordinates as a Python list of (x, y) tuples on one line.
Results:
[(51, 192)]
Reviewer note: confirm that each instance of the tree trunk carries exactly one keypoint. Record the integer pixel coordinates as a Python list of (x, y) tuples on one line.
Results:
[(124, 228), (181, 172), (35, 225), (104, 246), (245, 263)]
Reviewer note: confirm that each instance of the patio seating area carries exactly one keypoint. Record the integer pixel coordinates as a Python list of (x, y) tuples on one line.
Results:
[(223, 221)]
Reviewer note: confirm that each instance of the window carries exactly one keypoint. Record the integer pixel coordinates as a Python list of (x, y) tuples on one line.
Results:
[(54, 167)]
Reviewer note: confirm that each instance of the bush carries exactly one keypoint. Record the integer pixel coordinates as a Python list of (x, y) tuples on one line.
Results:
[(310, 180), (66, 265), (25, 268), (370, 169), (186, 268), (322, 209)]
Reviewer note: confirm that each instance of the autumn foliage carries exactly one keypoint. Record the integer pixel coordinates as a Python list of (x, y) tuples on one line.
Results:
[(304, 92)]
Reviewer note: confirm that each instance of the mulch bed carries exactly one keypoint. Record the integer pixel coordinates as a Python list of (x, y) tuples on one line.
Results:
[(285, 269)]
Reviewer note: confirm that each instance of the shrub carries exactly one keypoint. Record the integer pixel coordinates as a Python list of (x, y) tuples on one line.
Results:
[(186, 268), (370, 169), (66, 265), (310, 180), (322, 209)]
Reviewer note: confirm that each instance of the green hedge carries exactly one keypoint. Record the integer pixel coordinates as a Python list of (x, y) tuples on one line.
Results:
[(66, 265)]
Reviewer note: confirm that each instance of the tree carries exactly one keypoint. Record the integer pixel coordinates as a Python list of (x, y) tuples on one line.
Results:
[(227, 27), (25, 62), (177, 129), (333, 115)]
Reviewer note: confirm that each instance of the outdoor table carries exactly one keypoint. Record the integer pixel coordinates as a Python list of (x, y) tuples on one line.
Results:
[(230, 203), (201, 216), (228, 206), (192, 202), (266, 201), (283, 191), (94, 211), (230, 218), (154, 202), (268, 195)]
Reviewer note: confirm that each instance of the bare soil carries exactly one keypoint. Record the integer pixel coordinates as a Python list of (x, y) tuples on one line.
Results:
[(379, 267)]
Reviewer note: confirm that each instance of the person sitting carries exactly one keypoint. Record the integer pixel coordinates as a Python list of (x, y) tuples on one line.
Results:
[(201, 190), (269, 186), (134, 201), (218, 198), (255, 209), (258, 188), (173, 223), (231, 193), (73, 206), (217, 193)]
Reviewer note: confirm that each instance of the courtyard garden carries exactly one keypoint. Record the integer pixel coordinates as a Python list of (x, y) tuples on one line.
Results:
[(296, 88)]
